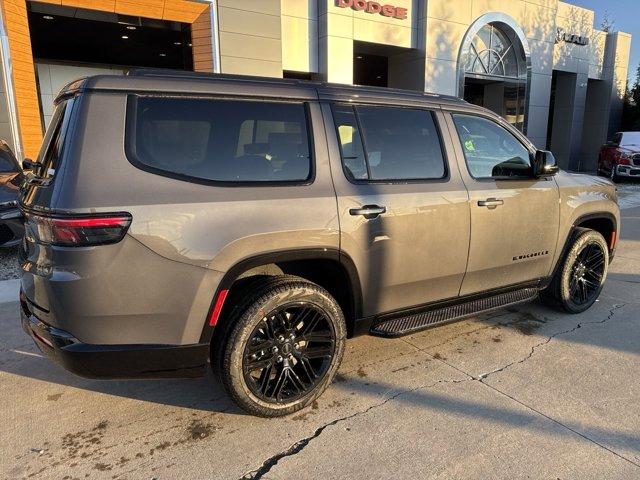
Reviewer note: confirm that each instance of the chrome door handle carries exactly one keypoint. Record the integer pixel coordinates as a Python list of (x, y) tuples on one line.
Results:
[(490, 202), (368, 211)]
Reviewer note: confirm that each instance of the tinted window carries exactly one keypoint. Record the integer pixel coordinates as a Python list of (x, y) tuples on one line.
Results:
[(490, 150), (51, 151), (401, 143), (353, 158), (222, 140)]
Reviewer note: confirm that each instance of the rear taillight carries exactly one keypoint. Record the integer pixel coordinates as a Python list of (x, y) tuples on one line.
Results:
[(78, 231)]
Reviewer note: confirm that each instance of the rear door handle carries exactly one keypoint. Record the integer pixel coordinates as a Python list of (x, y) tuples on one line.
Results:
[(368, 211), (490, 202)]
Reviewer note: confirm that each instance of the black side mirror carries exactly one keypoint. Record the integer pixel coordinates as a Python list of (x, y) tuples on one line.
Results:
[(544, 164), (28, 164)]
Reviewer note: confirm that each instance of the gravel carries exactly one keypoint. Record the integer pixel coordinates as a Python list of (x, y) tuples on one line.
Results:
[(9, 266)]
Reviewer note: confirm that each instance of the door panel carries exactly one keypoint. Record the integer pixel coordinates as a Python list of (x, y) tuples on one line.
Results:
[(416, 251), (514, 220)]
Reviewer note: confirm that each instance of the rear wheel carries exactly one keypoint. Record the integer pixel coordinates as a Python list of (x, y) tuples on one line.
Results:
[(580, 278), (284, 346)]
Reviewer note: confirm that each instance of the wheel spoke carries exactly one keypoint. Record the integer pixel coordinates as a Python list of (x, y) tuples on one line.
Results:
[(289, 352), (282, 379), (265, 376), (252, 365), (258, 347), (307, 368), (317, 352), (295, 381), (320, 337)]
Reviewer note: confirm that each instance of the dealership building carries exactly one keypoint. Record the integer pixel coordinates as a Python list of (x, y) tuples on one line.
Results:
[(541, 64)]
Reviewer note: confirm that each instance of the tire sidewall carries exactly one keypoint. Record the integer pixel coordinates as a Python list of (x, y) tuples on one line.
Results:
[(582, 240), (232, 364)]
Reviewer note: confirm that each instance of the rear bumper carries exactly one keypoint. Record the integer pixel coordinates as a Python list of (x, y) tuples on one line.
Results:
[(114, 361)]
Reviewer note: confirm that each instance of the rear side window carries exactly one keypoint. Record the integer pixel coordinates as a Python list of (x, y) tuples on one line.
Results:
[(389, 143), (52, 145), (220, 140)]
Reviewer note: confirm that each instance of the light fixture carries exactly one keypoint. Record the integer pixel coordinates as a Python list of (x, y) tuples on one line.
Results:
[(190, 45), (359, 57), (47, 17), (177, 43), (125, 37), (131, 27), (379, 77), (163, 54)]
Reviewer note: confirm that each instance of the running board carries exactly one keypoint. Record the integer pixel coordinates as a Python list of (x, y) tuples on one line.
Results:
[(437, 315)]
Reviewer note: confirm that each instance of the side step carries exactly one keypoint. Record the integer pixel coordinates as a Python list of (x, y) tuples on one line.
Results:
[(436, 315)]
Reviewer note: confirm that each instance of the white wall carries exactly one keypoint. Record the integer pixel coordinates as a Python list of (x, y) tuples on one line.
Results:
[(53, 76)]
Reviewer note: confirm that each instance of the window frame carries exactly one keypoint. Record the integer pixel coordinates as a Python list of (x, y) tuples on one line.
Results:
[(431, 111), (130, 135), (515, 133)]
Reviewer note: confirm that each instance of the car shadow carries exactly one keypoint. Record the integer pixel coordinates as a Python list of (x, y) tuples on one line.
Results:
[(19, 356)]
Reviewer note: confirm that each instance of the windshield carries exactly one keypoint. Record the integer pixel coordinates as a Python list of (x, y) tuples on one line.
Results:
[(630, 139)]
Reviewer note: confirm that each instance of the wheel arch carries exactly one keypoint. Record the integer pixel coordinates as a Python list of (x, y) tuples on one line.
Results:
[(328, 267), (603, 222)]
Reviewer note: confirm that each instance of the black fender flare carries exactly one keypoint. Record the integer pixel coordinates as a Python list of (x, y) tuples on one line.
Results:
[(282, 256)]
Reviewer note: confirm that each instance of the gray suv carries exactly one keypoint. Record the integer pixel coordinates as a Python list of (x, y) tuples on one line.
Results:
[(176, 219)]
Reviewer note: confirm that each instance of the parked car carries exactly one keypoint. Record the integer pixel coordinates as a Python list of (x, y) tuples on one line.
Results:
[(620, 157), (11, 178), (179, 218)]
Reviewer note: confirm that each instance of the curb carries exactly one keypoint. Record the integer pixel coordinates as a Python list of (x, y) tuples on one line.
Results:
[(9, 290)]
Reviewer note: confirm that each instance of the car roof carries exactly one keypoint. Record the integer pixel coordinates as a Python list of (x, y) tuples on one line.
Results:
[(194, 83)]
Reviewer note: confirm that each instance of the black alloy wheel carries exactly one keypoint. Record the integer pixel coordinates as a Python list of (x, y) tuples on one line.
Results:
[(280, 344), (289, 352), (580, 274), (587, 273)]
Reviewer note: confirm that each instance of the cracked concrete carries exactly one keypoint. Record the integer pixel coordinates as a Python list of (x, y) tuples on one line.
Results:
[(521, 393)]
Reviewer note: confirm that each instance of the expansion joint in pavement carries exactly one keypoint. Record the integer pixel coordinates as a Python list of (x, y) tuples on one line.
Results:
[(297, 447)]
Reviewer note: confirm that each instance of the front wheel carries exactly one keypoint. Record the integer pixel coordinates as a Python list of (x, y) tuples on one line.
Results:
[(614, 174), (284, 347), (581, 275)]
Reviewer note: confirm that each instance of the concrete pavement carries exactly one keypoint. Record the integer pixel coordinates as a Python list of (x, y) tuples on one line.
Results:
[(522, 393)]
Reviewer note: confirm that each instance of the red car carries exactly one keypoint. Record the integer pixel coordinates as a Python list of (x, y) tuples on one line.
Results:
[(621, 156)]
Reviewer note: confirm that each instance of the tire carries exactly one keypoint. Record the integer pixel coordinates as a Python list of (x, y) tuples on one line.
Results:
[(293, 332), (613, 176), (580, 277)]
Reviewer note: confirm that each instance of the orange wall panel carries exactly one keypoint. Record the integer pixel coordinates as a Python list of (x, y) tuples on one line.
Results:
[(26, 93), (24, 79)]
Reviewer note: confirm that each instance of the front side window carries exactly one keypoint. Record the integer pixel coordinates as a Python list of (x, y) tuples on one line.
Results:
[(399, 143), (221, 140), (490, 150)]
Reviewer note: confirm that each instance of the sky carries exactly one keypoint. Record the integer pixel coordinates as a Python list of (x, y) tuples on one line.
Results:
[(626, 17)]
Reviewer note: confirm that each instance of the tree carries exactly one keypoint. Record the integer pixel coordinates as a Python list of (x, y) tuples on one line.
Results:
[(607, 23), (631, 110)]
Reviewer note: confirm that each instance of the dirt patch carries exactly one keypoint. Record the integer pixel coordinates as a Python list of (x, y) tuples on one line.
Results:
[(198, 430), (496, 339), (54, 398), (437, 356), (361, 372)]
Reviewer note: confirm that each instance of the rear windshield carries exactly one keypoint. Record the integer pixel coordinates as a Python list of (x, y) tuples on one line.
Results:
[(220, 140), (53, 143)]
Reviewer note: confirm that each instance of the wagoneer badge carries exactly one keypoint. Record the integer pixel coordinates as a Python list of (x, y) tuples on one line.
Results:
[(374, 8)]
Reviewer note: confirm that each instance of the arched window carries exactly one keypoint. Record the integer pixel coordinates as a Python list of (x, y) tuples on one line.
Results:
[(493, 67), (494, 54)]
